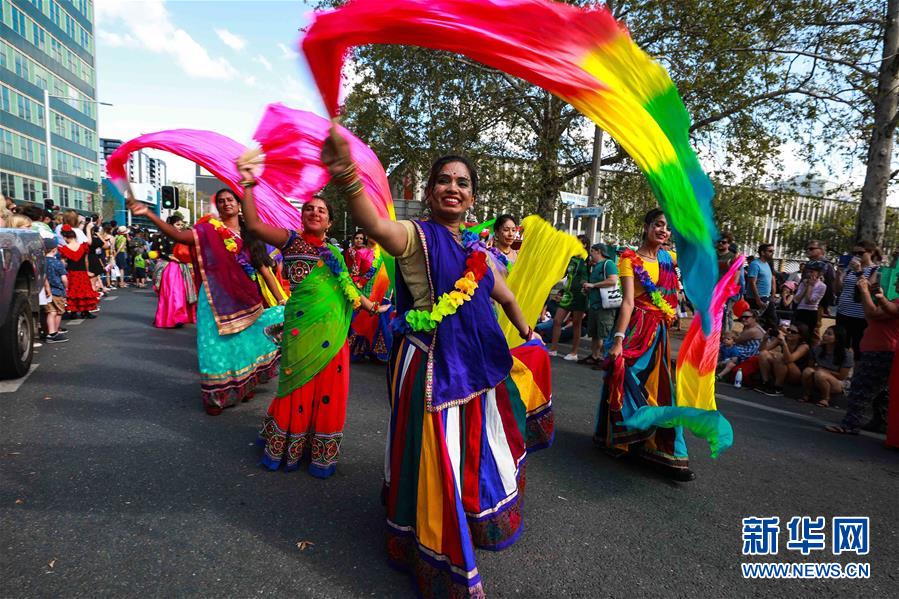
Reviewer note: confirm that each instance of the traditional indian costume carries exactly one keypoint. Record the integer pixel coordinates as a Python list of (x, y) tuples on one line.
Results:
[(173, 280)]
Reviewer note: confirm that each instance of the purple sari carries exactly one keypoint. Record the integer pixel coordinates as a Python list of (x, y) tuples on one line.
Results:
[(234, 298), (468, 354)]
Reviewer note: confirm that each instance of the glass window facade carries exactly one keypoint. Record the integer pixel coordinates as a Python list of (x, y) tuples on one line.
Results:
[(49, 45)]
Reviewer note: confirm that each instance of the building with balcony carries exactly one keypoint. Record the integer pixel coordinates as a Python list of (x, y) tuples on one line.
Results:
[(48, 45)]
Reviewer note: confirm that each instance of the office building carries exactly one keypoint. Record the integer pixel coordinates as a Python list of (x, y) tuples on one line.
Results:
[(48, 46)]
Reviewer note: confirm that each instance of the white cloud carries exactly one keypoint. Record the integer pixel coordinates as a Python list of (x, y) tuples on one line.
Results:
[(263, 61), (148, 25), (250, 81), (233, 41), (288, 53), (114, 39)]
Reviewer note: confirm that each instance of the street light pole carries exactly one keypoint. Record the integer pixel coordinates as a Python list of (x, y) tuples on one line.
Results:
[(595, 183), (49, 153), (47, 97)]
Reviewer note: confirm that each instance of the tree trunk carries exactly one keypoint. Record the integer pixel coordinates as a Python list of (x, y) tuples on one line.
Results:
[(872, 211), (548, 180)]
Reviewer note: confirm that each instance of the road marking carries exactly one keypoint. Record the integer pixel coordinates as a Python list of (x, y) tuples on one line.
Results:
[(74, 321), (810, 419), (13, 385), (109, 298)]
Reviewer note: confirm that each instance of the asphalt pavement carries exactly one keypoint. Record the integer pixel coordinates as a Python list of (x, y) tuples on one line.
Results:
[(115, 483)]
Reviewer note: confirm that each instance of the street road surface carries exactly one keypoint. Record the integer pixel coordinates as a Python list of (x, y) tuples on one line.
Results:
[(115, 483)]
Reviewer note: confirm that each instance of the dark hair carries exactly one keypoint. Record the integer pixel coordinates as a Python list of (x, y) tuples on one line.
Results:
[(174, 218), (364, 236), (501, 220), (650, 218), (764, 247), (805, 334), (33, 212), (840, 344), (327, 204), (726, 236), (584, 240), (215, 198), (256, 248), (443, 161), (871, 247)]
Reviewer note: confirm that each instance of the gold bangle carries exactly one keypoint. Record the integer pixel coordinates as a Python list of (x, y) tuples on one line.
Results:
[(346, 176), (247, 184)]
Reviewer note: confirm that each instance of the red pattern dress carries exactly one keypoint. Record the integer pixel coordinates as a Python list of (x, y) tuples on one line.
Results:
[(80, 296)]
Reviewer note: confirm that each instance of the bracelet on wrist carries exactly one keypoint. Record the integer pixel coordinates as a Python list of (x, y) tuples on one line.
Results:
[(346, 176), (527, 334), (619, 336), (353, 189), (247, 184)]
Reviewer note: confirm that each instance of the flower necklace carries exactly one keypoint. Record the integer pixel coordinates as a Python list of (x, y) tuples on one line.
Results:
[(655, 293), (448, 303), (339, 270), (227, 235)]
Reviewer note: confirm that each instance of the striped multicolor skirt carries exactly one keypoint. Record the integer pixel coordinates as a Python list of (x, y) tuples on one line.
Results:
[(645, 379), (454, 479)]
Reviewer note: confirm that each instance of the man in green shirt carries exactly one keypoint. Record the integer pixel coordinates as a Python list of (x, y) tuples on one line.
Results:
[(600, 321)]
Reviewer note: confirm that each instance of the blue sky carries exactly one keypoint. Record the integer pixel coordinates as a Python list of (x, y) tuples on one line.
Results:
[(215, 64), (198, 64)]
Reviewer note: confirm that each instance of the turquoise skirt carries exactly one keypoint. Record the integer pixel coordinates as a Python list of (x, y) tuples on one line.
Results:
[(232, 365)]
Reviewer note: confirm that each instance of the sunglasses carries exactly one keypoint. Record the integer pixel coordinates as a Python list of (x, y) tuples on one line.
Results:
[(812, 247)]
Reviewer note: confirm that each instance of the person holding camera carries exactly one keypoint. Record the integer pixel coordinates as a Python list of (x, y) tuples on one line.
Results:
[(809, 295), (870, 381), (850, 313)]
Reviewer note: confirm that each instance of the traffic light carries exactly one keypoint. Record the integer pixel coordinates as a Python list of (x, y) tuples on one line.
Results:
[(169, 197)]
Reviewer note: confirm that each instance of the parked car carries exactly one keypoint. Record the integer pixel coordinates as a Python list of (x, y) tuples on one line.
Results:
[(21, 279)]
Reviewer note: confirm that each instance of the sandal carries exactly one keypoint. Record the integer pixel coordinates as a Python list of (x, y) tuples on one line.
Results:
[(823, 404), (840, 430), (804, 399), (588, 361)]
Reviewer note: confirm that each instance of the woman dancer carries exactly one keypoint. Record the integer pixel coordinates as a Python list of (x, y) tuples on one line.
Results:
[(81, 299), (639, 372), (450, 371), (174, 282), (505, 230), (233, 350), (309, 410)]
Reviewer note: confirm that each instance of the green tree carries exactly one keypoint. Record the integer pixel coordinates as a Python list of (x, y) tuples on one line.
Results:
[(754, 73)]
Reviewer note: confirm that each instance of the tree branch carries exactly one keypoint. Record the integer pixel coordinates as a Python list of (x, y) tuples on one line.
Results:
[(822, 57)]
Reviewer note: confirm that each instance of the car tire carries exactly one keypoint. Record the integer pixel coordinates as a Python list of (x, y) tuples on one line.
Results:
[(17, 338)]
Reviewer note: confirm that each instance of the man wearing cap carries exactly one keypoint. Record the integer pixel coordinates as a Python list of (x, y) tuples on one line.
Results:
[(759, 279)]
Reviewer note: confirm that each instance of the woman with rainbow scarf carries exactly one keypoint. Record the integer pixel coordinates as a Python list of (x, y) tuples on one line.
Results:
[(459, 433), (309, 411), (233, 351), (639, 371)]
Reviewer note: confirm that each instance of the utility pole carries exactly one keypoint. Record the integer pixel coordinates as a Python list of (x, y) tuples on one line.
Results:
[(595, 183)]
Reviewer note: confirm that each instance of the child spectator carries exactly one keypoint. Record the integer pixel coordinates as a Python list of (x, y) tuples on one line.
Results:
[(56, 284), (140, 269), (728, 347)]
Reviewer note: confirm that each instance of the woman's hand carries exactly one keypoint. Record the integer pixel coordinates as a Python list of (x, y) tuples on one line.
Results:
[(136, 208), (246, 172), (862, 285), (617, 347), (336, 152)]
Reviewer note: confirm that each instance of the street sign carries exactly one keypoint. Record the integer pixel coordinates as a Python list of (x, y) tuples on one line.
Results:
[(572, 199), (587, 211)]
